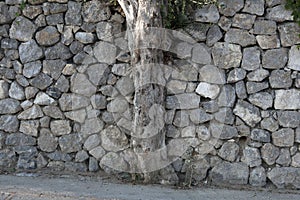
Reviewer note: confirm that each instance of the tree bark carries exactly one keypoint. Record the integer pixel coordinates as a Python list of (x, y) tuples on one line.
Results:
[(148, 125)]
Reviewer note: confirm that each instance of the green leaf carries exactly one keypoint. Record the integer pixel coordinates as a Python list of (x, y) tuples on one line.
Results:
[(23, 5)]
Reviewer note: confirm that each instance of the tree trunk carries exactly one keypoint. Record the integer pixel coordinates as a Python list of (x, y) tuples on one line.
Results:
[(148, 134)]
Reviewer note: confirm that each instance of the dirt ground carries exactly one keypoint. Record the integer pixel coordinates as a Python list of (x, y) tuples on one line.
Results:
[(34, 186)]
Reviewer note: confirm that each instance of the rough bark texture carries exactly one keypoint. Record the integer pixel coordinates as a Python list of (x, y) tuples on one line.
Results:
[(148, 131)]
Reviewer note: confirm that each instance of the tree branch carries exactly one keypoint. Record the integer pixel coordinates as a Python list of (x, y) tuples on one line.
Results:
[(130, 8)]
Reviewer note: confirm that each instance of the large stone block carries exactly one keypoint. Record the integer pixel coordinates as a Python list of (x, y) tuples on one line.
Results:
[(230, 173), (9, 106), (258, 177), (60, 127), (33, 112), (263, 100), (256, 7), (183, 101), (289, 34), (251, 58), (280, 79), (19, 139), (199, 116), (70, 101), (92, 142), (243, 21), (254, 87), (235, 75), (4, 87), (98, 73), (267, 27), (227, 55), (53, 68), (81, 85), (222, 131), (269, 62), (269, 153), (4, 15), (279, 14), (113, 139), (30, 51), (70, 143), (29, 127), (91, 126), (229, 151), (41, 81), (47, 36), (105, 53), (201, 55), (284, 177), (73, 15), (81, 156), (239, 36), (212, 74), (32, 69), (260, 135), (94, 11), (22, 29), (247, 112), (294, 58), (230, 7), (208, 90), (9, 123), (287, 99), (46, 141), (289, 119), (268, 41), (227, 96), (214, 34), (58, 51), (283, 137), (207, 14)]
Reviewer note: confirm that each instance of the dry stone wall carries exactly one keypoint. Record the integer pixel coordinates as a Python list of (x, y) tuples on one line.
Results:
[(232, 83)]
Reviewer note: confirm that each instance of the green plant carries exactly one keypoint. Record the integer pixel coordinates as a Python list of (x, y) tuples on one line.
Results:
[(176, 14), (294, 6), (22, 6)]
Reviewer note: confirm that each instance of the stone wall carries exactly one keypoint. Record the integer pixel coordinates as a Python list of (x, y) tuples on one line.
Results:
[(232, 81)]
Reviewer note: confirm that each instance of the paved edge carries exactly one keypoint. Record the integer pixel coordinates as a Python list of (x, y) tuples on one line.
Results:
[(65, 188)]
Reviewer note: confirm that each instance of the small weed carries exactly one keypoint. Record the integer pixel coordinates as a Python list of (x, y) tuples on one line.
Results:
[(22, 6)]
